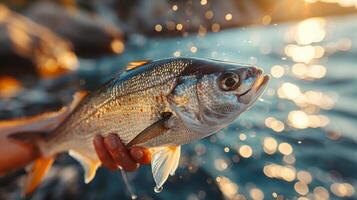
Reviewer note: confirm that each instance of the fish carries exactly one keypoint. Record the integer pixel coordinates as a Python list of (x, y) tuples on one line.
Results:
[(160, 105)]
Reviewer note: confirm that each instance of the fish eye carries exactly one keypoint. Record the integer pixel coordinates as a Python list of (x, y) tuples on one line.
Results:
[(229, 81)]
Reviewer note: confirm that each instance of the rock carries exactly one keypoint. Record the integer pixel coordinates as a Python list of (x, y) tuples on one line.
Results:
[(90, 34), (29, 48)]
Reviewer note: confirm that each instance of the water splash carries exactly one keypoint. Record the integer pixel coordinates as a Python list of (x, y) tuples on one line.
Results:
[(158, 189), (128, 185), (265, 101)]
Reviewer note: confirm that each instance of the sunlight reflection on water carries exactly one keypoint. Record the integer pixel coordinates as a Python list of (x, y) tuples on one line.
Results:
[(298, 142), (305, 51)]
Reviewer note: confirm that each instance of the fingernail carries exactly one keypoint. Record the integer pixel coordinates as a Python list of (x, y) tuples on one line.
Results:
[(137, 154), (111, 142)]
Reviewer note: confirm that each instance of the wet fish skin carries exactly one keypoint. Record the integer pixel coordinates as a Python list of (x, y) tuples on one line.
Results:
[(201, 97), (128, 104), (203, 108)]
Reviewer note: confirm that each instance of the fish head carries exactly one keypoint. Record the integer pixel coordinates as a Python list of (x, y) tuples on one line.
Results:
[(211, 94)]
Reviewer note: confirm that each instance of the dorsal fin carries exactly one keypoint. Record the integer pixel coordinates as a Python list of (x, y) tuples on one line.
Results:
[(137, 63), (42, 122)]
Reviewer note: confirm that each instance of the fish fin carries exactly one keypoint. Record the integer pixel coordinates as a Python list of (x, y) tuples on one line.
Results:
[(177, 159), (34, 139), (39, 169), (28, 137), (152, 131), (164, 162), (89, 165), (137, 63), (42, 122)]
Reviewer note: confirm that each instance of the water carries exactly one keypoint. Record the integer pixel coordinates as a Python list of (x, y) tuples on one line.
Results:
[(298, 141), (158, 189)]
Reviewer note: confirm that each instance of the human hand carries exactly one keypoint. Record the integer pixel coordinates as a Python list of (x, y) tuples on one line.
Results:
[(113, 153)]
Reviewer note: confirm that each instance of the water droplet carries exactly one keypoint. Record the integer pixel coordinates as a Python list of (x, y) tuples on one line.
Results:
[(158, 189), (133, 197)]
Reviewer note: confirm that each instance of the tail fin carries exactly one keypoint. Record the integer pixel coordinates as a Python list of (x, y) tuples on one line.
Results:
[(27, 137), (39, 169), (33, 139), (40, 166)]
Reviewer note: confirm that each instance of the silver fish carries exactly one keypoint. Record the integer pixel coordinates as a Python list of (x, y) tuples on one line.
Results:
[(159, 105)]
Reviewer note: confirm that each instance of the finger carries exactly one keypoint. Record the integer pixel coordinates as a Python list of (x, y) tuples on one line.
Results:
[(103, 154), (140, 155), (119, 153)]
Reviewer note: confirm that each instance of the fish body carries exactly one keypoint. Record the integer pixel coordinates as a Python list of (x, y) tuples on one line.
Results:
[(160, 105), (126, 105)]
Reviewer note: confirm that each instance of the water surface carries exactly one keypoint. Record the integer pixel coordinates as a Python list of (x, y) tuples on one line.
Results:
[(298, 141)]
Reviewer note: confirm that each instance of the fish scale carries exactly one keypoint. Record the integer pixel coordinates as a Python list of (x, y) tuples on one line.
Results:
[(159, 105), (122, 114)]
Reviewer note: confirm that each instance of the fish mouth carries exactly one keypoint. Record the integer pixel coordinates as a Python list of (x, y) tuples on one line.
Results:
[(255, 91)]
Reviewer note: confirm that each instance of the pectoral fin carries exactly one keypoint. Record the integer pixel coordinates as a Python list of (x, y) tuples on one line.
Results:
[(152, 131), (164, 162), (90, 166)]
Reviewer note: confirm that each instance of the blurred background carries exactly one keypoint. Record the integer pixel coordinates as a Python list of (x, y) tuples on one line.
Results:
[(299, 141)]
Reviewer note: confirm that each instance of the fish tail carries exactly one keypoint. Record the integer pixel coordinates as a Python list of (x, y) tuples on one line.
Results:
[(34, 139), (41, 165), (38, 170), (25, 141)]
